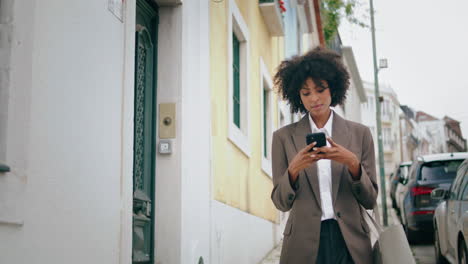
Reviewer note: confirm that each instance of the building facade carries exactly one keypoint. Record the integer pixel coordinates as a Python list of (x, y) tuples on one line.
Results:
[(390, 112), (356, 95), (103, 132), (138, 131), (455, 140), (445, 134), (248, 41), (408, 134)]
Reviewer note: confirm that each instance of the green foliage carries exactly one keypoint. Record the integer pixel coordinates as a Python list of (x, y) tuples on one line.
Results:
[(332, 11)]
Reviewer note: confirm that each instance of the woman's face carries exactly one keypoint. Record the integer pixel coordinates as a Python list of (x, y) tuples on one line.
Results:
[(316, 99)]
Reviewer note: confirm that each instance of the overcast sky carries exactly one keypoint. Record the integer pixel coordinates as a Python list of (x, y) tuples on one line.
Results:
[(426, 44)]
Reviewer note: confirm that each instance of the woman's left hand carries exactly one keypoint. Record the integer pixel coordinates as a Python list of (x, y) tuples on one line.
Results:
[(342, 155)]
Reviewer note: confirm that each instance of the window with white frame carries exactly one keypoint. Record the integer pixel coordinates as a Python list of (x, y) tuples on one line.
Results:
[(266, 87), (387, 136), (238, 56)]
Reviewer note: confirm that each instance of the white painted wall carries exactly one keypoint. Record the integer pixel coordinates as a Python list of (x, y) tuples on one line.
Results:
[(168, 207), (183, 178), (15, 90), (66, 129), (239, 237), (352, 106), (196, 133)]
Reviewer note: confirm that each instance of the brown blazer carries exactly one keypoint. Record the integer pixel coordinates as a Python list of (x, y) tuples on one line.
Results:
[(302, 232)]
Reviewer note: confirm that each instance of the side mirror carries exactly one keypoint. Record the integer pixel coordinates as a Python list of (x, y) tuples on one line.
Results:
[(439, 194), (402, 180)]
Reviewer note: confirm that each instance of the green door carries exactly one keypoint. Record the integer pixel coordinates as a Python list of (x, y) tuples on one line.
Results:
[(144, 132)]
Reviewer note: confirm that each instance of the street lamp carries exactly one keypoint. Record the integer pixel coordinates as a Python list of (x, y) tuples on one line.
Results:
[(383, 64)]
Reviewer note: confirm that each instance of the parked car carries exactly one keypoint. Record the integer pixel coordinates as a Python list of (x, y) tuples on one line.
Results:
[(399, 176), (451, 219), (426, 174)]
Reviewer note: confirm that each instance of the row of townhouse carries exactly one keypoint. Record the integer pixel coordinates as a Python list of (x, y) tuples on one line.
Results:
[(390, 122), (407, 133), (138, 131), (424, 134)]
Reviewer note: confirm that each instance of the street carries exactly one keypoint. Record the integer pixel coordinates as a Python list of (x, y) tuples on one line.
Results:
[(423, 251)]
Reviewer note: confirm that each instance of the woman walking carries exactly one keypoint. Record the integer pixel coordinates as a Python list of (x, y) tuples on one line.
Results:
[(324, 188)]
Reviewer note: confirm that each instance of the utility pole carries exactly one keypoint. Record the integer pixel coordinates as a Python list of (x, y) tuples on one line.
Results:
[(383, 193)]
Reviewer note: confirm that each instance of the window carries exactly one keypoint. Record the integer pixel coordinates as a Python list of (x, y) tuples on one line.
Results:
[(464, 187), (236, 79), (439, 170), (387, 137), (460, 184), (266, 119), (238, 58), (266, 86), (384, 107)]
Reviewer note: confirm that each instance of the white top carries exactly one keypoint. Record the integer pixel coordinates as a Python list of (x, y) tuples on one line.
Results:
[(324, 172)]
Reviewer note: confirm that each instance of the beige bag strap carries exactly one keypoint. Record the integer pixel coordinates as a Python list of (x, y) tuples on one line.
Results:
[(375, 229), (371, 219)]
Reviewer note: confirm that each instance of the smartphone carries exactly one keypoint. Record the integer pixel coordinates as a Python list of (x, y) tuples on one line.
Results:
[(318, 137)]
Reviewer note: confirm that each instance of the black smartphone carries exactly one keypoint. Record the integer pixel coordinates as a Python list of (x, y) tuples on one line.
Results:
[(318, 137)]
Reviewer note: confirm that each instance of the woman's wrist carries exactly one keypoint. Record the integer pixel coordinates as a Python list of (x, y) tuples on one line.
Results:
[(354, 167), (292, 175)]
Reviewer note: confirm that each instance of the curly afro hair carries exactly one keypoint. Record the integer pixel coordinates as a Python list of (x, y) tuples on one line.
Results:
[(320, 64)]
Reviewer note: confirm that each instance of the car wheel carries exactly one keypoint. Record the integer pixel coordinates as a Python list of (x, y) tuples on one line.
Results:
[(462, 254), (439, 258)]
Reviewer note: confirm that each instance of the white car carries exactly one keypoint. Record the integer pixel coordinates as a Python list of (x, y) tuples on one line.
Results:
[(451, 219)]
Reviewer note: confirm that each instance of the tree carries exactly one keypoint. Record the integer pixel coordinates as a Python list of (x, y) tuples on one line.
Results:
[(332, 11)]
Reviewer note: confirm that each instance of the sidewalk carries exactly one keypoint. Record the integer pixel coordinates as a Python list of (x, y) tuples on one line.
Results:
[(274, 256)]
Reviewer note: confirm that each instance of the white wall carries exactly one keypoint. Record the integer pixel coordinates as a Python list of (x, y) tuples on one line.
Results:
[(15, 90), (239, 237), (352, 106), (196, 133), (65, 134), (183, 190), (168, 207)]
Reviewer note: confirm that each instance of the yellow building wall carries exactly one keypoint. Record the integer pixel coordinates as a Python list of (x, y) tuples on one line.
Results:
[(238, 180)]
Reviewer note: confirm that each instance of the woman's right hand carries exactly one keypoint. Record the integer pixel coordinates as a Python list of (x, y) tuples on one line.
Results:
[(302, 160)]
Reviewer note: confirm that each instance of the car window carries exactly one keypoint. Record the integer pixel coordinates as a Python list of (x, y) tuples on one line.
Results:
[(439, 170), (464, 185), (456, 185)]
